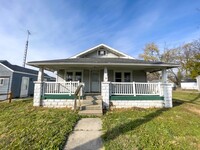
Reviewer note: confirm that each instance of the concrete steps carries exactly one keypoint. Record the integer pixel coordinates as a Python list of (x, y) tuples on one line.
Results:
[(91, 106), (91, 112)]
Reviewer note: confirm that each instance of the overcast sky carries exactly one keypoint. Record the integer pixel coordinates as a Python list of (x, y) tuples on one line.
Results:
[(61, 29)]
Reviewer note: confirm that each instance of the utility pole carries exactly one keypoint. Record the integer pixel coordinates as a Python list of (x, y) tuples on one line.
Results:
[(26, 48)]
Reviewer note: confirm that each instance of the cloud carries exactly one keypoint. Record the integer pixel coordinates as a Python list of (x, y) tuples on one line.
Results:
[(61, 29)]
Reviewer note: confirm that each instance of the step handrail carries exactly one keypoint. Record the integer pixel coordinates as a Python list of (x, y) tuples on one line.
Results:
[(77, 95)]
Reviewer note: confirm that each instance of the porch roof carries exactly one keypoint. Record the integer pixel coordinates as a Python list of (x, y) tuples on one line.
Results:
[(57, 64)]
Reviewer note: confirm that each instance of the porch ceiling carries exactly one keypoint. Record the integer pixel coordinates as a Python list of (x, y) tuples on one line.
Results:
[(54, 65)]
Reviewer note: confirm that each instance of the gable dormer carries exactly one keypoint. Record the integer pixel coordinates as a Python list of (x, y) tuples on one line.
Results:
[(101, 51)]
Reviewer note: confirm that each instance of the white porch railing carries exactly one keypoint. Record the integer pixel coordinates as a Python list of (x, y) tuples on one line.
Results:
[(60, 87), (136, 88)]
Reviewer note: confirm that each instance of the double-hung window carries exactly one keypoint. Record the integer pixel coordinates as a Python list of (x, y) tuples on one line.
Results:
[(122, 76), (74, 76)]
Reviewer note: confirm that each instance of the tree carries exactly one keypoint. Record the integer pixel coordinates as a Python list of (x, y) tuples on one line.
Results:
[(187, 55), (151, 53), (173, 56), (193, 64)]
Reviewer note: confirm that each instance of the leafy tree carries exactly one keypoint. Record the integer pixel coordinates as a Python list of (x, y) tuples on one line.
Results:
[(187, 55), (151, 52)]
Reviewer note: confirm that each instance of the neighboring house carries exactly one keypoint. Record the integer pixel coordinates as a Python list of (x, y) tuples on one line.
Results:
[(16, 79), (119, 78), (189, 84), (198, 82)]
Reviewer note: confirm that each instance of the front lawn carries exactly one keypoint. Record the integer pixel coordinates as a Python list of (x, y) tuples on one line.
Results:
[(23, 126), (175, 128)]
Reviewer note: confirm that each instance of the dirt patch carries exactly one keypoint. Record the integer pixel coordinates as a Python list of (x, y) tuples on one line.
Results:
[(193, 109)]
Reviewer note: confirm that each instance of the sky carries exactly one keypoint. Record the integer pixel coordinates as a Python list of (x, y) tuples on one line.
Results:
[(62, 28)]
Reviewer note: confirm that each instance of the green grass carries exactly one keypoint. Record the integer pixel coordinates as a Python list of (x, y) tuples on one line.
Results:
[(175, 128), (23, 126)]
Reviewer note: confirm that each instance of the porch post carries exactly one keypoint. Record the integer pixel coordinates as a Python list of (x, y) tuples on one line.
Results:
[(105, 74), (105, 93), (38, 88), (164, 76), (167, 90)]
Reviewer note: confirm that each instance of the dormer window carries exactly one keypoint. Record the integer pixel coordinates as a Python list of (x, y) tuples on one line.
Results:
[(101, 52)]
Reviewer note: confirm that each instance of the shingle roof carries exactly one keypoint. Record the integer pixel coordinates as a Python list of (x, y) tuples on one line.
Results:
[(19, 68)]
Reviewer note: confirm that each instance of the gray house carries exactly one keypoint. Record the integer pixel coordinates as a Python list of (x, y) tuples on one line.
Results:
[(16, 79), (119, 80)]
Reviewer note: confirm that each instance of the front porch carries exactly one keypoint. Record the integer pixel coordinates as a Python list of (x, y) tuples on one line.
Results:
[(113, 94), (118, 88)]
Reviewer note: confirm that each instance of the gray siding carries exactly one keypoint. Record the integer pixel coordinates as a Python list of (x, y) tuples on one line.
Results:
[(94, 54), (110, 75), (60, 76), (86, 80), (139, 76), (6, 74)]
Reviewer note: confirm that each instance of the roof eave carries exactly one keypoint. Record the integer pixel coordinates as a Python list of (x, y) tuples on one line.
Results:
[(104, 64)]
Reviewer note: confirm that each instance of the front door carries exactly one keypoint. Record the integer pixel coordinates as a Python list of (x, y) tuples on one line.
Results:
[(95, 81), (24, 87)]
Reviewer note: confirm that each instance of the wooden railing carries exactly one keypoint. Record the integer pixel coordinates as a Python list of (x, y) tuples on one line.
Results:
[(60, 87), (135, 88), (77, 96)]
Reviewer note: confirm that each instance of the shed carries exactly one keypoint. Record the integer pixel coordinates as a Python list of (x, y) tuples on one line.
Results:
[(17, 79)]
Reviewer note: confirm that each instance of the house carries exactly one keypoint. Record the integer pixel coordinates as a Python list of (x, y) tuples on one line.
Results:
[(16, 79), (119, 78), (189, 84), (198, 82)]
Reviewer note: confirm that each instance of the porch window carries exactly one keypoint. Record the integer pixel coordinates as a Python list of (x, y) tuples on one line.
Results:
[(118, 77), (69, 76), (127, 77), (78, 76), (1, 81)]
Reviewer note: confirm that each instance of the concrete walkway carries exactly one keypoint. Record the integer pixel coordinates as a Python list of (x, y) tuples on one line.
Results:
[(86, 135)]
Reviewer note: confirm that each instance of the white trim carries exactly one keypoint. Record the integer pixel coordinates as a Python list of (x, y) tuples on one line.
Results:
[(7, 67), (93, 48), (112, 64)]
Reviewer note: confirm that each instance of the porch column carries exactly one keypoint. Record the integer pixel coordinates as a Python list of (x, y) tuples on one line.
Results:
[(167, 90), (164, 76), (105, 93), (105, 74), (38, 88)]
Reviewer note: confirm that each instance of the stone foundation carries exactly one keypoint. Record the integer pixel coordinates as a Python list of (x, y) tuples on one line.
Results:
[(58, 103), (137, 103)]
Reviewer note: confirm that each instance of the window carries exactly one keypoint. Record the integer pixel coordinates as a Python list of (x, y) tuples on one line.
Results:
[(123, 76), (74, 76), (1, 81), (101, 52), (118, 77), (127, 77), (69, 76), (78, 76)]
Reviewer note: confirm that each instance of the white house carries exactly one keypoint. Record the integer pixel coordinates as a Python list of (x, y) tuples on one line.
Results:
[(119, 78)]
